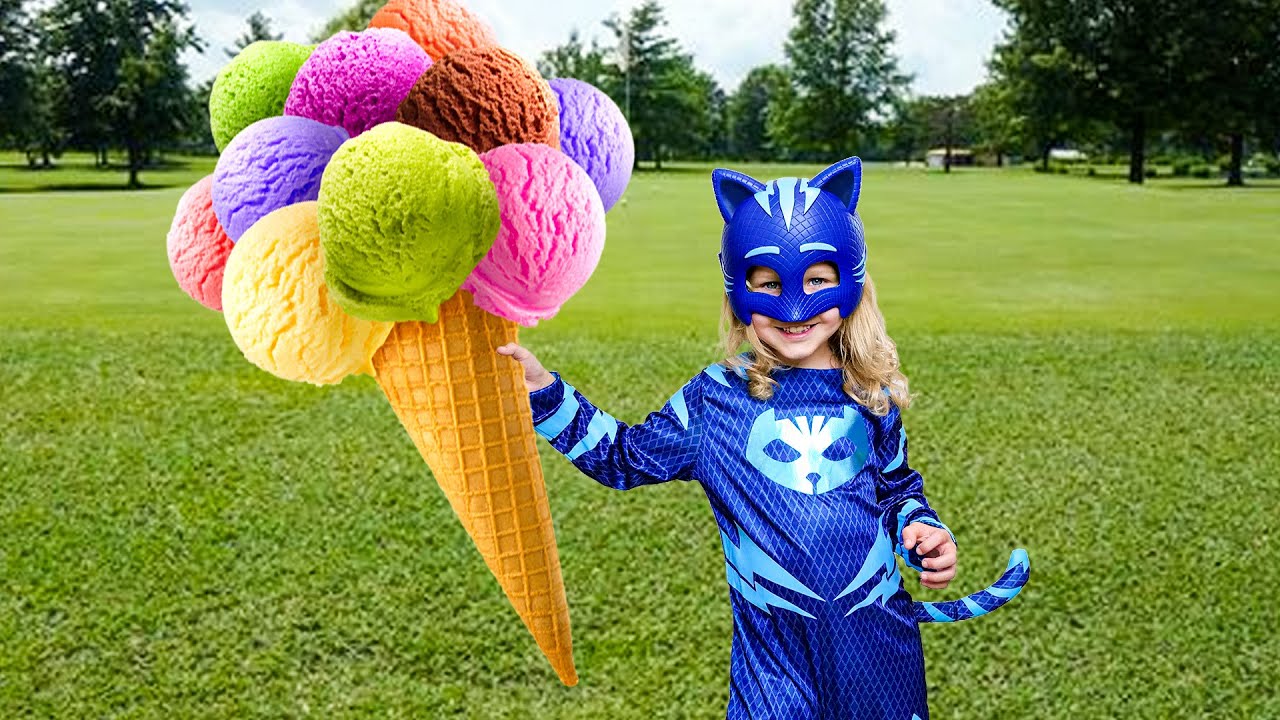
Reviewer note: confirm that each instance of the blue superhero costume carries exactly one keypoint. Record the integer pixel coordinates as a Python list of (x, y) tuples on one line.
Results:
[(810, 490)]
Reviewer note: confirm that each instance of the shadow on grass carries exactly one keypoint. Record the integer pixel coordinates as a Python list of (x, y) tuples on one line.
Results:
[(83, 187)]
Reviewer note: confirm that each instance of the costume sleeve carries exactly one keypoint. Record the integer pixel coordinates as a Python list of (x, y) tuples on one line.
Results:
[(664, 447), (901, 489)]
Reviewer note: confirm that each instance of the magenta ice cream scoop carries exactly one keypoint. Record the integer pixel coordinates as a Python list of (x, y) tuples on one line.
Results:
[(595, 134), (551, 238), (357, 80), (272, 163)]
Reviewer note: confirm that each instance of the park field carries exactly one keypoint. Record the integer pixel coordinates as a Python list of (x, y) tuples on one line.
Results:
[(1097, 370)]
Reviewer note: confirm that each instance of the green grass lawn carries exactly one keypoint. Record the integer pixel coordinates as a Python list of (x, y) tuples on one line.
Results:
[(1097, 369)]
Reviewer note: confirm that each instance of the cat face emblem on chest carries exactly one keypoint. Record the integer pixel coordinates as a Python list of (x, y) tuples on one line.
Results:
[(811, 455)]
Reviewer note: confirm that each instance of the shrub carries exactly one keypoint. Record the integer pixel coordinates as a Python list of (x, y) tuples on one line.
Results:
[(1182, 166), (1093, 171), (1202, 171), (1152, 172), (1063, 170)]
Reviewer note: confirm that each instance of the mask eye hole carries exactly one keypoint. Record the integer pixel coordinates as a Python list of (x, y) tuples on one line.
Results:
[(780, 451), (820, 276), (764, 280), (839, 450)]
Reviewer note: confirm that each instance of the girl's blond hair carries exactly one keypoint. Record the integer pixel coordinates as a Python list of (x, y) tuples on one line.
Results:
[(863, 347)]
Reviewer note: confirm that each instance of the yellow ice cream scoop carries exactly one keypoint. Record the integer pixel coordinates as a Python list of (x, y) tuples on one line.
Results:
[(279, 310)]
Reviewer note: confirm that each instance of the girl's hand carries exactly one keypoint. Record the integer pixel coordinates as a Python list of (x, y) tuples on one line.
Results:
[(936, 550), (536, 377)]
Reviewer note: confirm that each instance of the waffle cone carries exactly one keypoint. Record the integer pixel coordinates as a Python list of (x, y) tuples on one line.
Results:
[(467, 410)]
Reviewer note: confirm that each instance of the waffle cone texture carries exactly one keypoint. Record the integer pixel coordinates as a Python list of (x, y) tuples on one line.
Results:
[(467, 410)]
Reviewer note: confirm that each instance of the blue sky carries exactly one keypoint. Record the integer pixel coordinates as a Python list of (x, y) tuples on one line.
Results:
[(945, 43)]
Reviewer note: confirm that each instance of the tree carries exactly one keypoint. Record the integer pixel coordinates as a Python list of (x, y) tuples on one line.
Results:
[(259, 28), (1038, 94), (16, 69), (749, 111), (354, 18), (845, 73), (572, 60), (84, 48), (1129, 60), (152, 104), (653, 78), (996, 125), (1234, 85)]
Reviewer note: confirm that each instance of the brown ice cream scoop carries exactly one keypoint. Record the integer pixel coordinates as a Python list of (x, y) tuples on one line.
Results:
[(483, 98)]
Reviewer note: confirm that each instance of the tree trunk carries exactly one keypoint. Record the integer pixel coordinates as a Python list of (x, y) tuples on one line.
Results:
[(45, 154), (1137, 149), (1044, 156), (999, 158), (657, 157), (1235, 178), (136, 157), (946, 159)]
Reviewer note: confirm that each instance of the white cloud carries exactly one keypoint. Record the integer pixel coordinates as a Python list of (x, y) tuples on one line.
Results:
[(945, 43)]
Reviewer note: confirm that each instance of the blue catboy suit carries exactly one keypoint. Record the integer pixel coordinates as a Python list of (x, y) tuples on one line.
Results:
[(810, 489)]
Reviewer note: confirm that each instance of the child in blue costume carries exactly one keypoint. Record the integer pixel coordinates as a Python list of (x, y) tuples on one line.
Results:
[(800, 448)]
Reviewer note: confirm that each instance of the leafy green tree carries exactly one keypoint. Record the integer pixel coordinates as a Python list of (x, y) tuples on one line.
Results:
[(16, 69), (658, 92), (1038, 94), (83, 44), (259, 28), (997, 128), (1234, 81), (845, 72), (151, 106), (574, 60), (749, 110), (1129, 61), (354, 18)]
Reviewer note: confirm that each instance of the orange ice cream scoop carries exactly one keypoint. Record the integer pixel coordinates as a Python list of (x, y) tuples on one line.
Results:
[(438, 26), (483, 98)]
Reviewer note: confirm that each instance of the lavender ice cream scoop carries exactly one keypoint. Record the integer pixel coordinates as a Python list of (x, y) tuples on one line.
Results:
[(357, 80), (272, 163), (595, 134)]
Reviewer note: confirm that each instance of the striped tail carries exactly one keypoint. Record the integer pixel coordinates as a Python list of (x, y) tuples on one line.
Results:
[(983, 601)]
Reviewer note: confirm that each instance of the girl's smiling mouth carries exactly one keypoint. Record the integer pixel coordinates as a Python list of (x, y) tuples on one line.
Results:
[(796, 331)]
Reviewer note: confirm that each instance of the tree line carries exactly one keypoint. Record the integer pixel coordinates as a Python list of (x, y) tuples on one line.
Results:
[(1116, 77)]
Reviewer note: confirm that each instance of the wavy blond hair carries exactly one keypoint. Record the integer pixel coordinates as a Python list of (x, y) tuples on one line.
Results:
[(863, 347)]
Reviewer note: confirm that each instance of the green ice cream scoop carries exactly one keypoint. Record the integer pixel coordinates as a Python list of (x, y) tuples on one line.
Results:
[(404, 218), (253, 86)]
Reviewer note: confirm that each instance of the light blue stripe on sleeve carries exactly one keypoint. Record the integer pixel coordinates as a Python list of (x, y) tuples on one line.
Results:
[(897, 460), (681, 410), (602, 424), (554, 425)]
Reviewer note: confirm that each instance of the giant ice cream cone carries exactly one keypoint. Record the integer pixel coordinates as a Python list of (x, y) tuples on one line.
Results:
[(467, 410)]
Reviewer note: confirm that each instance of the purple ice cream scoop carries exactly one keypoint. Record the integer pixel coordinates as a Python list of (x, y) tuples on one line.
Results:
[(357, 80), (595, 134), (272, 163)]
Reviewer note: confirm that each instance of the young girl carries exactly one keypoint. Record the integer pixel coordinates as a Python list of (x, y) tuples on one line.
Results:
[(800, 448)]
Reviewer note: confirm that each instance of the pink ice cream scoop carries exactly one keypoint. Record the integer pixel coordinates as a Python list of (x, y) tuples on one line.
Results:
[(551, 238), (357, 80), (198, 246)]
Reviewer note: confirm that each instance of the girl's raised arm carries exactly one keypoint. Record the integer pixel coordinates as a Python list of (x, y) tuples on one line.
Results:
[(664, 447)]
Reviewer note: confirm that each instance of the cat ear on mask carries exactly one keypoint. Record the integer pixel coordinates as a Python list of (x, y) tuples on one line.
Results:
[(732, 189), (844, 180)]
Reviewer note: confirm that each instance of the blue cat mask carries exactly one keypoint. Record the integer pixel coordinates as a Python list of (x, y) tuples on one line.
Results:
[(788, 225)]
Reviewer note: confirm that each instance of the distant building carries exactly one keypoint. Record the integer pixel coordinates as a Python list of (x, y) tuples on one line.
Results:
[(937, 157), (1070, 155)]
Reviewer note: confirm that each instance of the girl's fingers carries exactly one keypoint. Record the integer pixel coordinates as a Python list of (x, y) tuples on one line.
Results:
[(909, 536), (937, 580), (945, 558), (931, 541)]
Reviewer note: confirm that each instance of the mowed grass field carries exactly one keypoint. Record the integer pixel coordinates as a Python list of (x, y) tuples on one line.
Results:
[(1097, 370)]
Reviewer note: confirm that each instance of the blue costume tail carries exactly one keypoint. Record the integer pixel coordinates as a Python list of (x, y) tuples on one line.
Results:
[(983, 601)]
